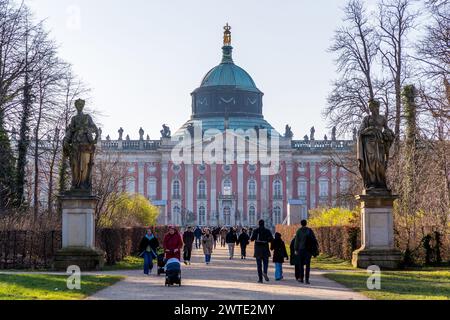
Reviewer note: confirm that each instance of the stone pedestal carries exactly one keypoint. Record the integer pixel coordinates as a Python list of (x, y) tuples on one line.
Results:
[(377, 233), (78, 234)]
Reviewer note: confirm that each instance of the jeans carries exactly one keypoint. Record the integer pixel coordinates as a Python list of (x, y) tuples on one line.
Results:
[(222, 241), (278, 271), (305, 261), (148, 262), (231, 249), (207, 258), (259, 263), (198, 243), (243, 250)]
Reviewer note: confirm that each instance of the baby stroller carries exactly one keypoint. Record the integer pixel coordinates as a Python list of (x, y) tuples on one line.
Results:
[(161, 262), (173, 272)]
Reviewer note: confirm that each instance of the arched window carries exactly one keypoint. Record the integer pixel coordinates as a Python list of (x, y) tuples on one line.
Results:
[(277, 193), (202, 216), (201, 189), (251, 216), (176, 215), (323, 188), (151, 188), (176, 193), (301, 187), (131, 185), (227, 187), (277, 215), (252, 189)]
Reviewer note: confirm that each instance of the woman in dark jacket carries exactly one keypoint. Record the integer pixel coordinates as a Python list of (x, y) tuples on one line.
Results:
[(243, 241), (279, 253), (148, 248), (231, 239), (262, 238)]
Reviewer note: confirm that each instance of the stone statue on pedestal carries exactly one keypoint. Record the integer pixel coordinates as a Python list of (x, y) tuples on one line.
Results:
[(165, 132), (288, 132), (79, 146), (312, 132), (374, 142)]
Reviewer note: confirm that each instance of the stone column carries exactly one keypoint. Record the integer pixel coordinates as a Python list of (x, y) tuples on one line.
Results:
[(78, 234), (377, 233)]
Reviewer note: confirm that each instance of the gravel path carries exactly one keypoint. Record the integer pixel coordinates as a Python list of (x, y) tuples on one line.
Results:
[(224, 279)]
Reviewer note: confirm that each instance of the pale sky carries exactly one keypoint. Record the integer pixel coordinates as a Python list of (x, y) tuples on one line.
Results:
[(143, 58)]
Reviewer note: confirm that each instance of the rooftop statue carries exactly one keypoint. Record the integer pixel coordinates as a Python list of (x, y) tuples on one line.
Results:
[(165, 132), (141, 134), (374, 142), (312, 133), (120, 131), (333, 134), (79, 146), (288, 132)]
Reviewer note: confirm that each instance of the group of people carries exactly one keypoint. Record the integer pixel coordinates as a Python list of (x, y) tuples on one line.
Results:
[(302, 247)]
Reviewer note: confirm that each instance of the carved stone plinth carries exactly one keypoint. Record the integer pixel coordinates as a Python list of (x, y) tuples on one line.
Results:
[(377, 232), (78, 234)]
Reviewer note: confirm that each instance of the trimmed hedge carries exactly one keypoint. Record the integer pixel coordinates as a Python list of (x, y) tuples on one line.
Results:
[(338, 241), (22, 249)]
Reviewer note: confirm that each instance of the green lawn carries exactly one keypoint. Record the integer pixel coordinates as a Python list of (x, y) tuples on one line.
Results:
[(128, 263), (400, 285), (50, 287)]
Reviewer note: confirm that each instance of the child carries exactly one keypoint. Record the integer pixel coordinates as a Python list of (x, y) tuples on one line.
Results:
[(279, 253)]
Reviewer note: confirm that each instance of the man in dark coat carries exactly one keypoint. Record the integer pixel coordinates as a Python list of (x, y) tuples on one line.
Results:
[(188, 240), (305, 246), (198, 236), (231, 239), (262, 237), (148, 250), (243, 241), (294, 260)]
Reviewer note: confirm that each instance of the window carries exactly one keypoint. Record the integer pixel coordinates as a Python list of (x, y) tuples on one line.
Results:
[(251, 216), (227, 215), (131, 185), (201, 190), (176, 194), (252, 189), (277, 215), (303, 212), (176, 215), (227, 187), (323, 188), (202, 216), (344, 185), (301, 188), (151, 188), (277, 194)]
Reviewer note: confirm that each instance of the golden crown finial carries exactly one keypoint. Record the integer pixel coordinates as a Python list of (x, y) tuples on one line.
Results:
[(227, 35)]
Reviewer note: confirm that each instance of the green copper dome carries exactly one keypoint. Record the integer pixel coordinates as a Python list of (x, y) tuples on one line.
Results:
[(229, 74)]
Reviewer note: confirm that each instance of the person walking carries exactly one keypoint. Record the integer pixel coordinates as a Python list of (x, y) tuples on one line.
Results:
[(208, 245), (148, 250), (279, 253), (231, 240), (305, 246), (215, 232), (198, 236), (243, 241), (172, 244), (188, 240), (294, 259), (262, 237), (223, 236)]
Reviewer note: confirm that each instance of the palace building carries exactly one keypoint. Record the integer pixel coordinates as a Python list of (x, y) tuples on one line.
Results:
[(230, 192)]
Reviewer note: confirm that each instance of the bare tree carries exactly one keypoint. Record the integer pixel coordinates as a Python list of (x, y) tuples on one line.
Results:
[(356, 46)]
